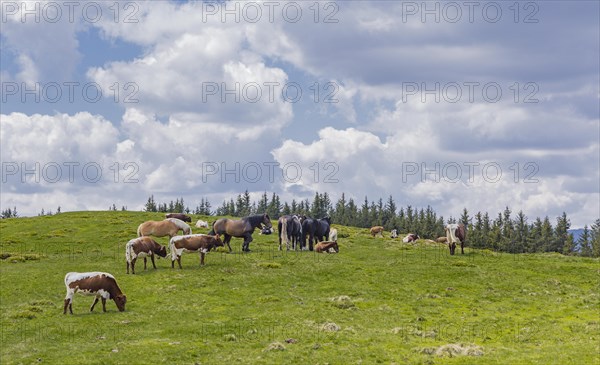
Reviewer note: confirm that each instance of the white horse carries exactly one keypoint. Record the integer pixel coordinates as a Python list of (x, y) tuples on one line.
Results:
[(181, 225), (333, 235), (201, 224)]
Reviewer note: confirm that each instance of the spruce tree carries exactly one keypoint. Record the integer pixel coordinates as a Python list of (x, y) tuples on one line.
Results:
[(595, 238), (585, 247)]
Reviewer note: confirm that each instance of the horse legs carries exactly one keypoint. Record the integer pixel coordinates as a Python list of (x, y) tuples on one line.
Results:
[(132, 266), (152, 259), (68, 302), (179, 261), (94, 304), (103, 304), (462, 250), (202, 258), (246, 246), (144, 263), (311, 239), (227, 239), (279, 234)]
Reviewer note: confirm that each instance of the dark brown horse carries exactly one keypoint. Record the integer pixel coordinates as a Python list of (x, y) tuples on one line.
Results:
[(242, 228)]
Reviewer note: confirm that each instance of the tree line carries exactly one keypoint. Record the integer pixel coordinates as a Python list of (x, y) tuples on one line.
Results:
[(504, 232)]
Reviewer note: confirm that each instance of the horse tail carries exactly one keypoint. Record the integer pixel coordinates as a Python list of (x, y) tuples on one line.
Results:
[(172, 249), (139, 230), (284, 231), (128, 251), (212, 231)]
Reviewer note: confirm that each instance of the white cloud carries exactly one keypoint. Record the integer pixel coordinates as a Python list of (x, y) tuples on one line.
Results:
[(39, 56)]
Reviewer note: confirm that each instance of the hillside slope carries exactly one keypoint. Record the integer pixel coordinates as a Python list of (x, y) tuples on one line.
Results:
[(377, 301)]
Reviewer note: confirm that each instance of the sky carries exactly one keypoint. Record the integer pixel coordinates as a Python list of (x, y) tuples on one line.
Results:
[(477, 105)]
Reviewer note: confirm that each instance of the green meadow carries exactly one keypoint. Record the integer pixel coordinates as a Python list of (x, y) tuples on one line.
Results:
[(377, 301)]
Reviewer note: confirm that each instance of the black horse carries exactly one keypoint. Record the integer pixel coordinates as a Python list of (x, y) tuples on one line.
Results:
[(316, 230), (290, 228), (240, 228)]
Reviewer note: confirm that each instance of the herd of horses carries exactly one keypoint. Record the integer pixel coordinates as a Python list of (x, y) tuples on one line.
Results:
[(295, 231)]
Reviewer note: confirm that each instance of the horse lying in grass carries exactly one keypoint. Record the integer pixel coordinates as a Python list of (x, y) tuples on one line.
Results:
[(327, 246), (242, 228), (411, 237)]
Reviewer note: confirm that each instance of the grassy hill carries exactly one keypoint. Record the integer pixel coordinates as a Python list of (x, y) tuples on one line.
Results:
[(377, 301)]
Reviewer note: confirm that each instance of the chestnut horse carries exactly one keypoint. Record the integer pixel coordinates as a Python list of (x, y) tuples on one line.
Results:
[(326, 246), (377, 230), (242, 228), (169, 227)]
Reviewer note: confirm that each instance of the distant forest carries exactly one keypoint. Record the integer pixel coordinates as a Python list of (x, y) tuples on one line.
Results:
[(504, 232)]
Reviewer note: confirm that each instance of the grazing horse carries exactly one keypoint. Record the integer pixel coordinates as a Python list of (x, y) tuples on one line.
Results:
[(327, 246), (456, 233), (309, 226), (201, 243), (168, 227), (101, 285), (315, 229), (322, 229), (181, 224), (290, 227), (242, 228), (140, 248), (377, 230)]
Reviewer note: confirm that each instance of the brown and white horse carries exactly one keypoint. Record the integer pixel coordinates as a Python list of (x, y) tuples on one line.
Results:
[(102, 285), (142, 247), (411, 237), (456, 233), (201, 243)]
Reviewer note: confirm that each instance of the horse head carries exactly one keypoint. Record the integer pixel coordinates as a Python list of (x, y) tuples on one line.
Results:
[(267, 221), (162, 252), (218, 241)]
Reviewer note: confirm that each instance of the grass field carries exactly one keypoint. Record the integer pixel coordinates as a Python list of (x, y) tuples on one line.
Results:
[(377, 301)]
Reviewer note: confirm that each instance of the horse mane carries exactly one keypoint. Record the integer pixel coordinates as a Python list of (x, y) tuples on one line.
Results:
[(256, 219)]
